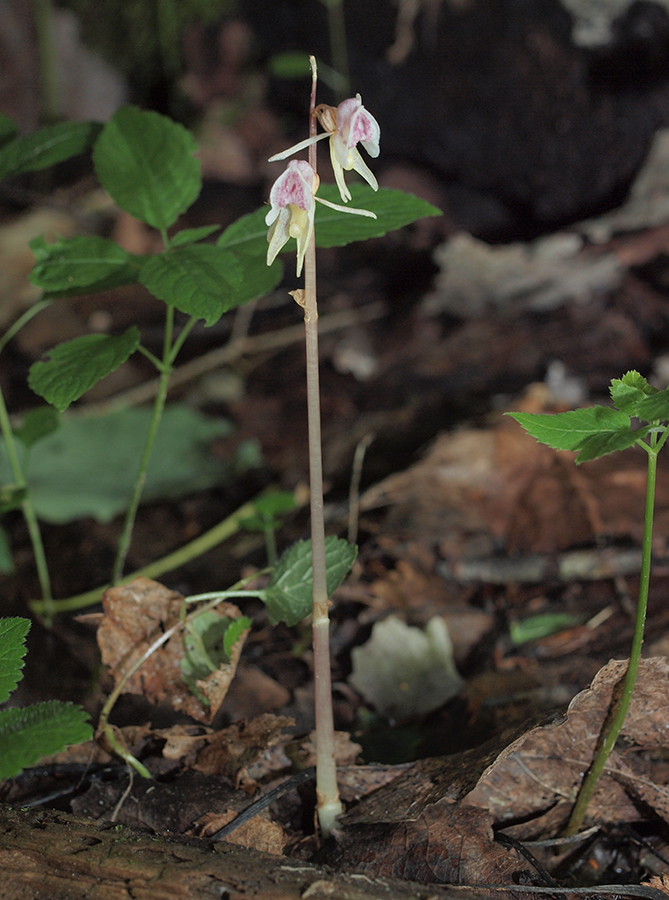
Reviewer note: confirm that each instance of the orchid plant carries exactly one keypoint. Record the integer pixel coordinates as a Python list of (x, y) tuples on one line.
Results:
[(293, 200)]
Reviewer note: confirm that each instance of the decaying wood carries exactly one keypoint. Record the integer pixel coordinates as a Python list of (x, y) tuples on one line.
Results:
[(61, 857)]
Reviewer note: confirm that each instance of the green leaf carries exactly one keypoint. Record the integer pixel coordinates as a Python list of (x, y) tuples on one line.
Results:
[(26, 735), (80, 264), (191, 235), (147, 164), (13, 633), (536, 627), (655, 408), (74, 367), (204, 649), (6, 557), (234, 631), (11, 497), (258, 279), (394, 209), (46, 147), (568, 430), (289, 594), (8, 129), (201, 280), (37, 424), (88, 467), (627, 391), (608, 442)]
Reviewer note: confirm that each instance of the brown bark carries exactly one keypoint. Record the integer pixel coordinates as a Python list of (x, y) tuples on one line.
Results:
[(61, 857)]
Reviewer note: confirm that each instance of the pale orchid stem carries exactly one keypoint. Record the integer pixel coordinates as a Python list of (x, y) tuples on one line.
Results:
[(329, 805)]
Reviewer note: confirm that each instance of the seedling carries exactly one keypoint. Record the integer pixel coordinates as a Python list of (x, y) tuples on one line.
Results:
[(593, 432)]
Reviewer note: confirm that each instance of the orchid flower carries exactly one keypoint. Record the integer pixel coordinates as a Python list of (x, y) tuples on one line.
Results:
[(346, 126), (292, 210)]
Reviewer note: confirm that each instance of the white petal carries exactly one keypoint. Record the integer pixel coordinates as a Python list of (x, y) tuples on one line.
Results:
[(347, 209), (297, 147)]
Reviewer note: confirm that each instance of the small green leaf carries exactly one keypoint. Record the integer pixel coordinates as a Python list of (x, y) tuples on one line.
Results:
[(46, 147), (13, 633), (6, 556), (192, 235), (147, 164), (37, 423), (8, 129), (568, 430), (536, 627), (11, 497), (394, 209), (26, 735), (233, 633), (200, 280), (655, 408), (289, 594), (290, 65), (79, 264), (74, 367), (608, 442), (627, 391)]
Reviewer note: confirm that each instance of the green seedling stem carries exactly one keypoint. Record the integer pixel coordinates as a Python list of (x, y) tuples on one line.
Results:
[(610, 737)]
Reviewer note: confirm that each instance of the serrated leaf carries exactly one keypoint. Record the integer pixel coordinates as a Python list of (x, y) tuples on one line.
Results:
[(74, 367), (13, 633), (37, 424), (147, 163), (394, 209), (655, 408), (627, 391), (288, 596), (568, 430), (608, 442), (191, 235), (80, 264), (8, 129), (26, 735), (258, 279), (88, 467), (201, 280), (46, 147)]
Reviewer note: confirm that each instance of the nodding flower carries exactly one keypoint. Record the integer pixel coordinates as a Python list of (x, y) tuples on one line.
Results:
[(293, 195), (292, 210), (347, 125)]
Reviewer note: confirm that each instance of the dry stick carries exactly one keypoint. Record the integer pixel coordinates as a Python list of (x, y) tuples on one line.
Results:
[(329, 805)]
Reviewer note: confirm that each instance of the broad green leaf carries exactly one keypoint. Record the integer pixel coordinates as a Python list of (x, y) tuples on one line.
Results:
[(201, 280), (394, 209), (13, 633), (608, 442), (655, 408), (568, 430), (191, 235), (88, 467), (258, 279), (48, 146), (26, 735), (73, 368), (8, 129), (288, 596), (147, 163), (627, 391), (37, 424), (80, 264), (6, 556)]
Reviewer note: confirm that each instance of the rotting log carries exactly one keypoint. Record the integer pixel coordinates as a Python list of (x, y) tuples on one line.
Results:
[(52, 855)]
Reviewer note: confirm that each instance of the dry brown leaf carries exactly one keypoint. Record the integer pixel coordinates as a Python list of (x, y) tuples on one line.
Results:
[(136, 615)]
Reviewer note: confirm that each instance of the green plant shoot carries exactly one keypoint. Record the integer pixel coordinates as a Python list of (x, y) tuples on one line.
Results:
[(593, 432)]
